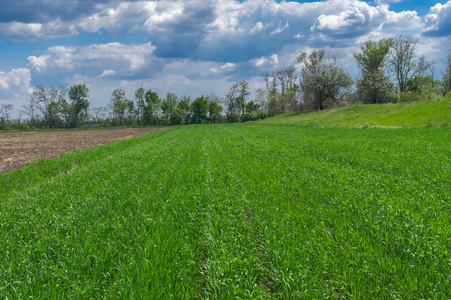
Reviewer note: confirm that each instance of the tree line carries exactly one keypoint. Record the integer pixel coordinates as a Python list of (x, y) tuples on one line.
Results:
[(390, 71)]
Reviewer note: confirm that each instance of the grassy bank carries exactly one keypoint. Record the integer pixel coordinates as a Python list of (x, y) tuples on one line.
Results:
[(432, 113)]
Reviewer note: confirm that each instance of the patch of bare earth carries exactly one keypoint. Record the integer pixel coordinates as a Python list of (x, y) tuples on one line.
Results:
[(18, 148)]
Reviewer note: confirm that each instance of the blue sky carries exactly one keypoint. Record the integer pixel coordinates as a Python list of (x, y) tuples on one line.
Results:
[(194, 47)]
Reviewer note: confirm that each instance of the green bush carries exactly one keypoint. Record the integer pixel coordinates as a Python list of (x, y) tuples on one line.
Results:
[(409, 97), (251, 116), (262, 114), (25, 127)]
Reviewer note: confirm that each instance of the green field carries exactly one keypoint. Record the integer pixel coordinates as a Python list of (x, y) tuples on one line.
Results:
[(248, 211), (431, 113)]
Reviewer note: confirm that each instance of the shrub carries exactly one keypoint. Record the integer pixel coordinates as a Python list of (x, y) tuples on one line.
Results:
[(262, 114), (408, 97)]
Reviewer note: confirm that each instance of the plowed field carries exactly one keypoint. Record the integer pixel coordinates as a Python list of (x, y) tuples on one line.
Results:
[(18, 148)]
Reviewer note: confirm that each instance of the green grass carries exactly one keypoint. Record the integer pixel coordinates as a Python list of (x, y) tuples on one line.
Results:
[(248, 211), (432, 113)]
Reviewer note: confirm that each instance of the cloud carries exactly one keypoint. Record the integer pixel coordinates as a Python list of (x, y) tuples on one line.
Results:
[(204, 44), (261, 62), (41, 11), (387, 1), (218, 30), (438, 21), (107, 73), (33, 31), (15, 84), (356, 18), (16, 78), (224, 68), (112, 60)]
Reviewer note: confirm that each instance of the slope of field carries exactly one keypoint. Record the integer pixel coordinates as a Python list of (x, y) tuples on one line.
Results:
[(234, 211), (433, 113)]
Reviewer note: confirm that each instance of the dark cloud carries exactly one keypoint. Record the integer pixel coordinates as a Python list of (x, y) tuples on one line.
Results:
[(38, 11), (214, 30)]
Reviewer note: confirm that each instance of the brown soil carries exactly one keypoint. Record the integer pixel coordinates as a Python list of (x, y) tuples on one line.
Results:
[(18, 148)]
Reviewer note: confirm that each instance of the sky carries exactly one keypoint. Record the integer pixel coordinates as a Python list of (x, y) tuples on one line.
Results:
[(194, 47)]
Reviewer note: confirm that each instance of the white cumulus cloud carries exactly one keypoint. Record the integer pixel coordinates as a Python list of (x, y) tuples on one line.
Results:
[(15, 85), (15, 79), (438, 20), (356, 18), (126, 60)]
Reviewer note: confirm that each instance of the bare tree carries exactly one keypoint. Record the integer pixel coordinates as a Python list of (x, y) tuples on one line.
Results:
[(404, 63), (260, 98), (446, 81), (431, 68), (5, 112), (30, 108), (49, 102), (292, 88), (271, 82)]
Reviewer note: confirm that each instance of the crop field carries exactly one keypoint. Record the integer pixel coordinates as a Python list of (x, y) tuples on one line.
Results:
[(248, 211)]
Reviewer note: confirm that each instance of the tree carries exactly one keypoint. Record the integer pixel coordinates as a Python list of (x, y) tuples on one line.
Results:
[(30, 108), (374, 86), (130, 112), (260, 98), (50, 101), (322, 80), (177, 116), (286, 79), (119, 104), (374, 55), (78, 94), (243, 92), (199, 109), (232, 103), (404, 63), (168, 105), (5, 110), (446, 80), (153, 102), (214, 109), (139, 103), (100, 115), (185, 108), (252, 107), (272, 93), (291, 89)]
